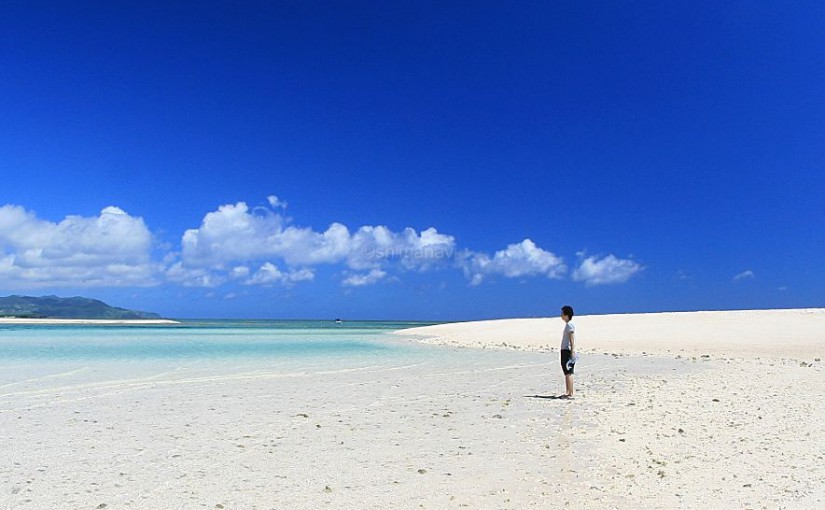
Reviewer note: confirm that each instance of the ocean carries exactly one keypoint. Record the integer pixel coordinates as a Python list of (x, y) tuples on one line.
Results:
[(41, 365), (248, 339), (46, 356)]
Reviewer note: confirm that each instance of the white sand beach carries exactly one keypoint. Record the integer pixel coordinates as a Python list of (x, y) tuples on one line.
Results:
[(793, 334), (724, 410), (101, 322)]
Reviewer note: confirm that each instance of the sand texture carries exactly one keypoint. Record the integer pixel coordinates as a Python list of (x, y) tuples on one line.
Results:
[(794, 334), (455, 428)]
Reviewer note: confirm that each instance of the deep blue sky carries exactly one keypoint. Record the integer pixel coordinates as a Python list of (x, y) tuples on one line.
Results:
[(656, 155)]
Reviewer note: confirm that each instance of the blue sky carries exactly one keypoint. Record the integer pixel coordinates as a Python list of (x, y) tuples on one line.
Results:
[(424, 160)]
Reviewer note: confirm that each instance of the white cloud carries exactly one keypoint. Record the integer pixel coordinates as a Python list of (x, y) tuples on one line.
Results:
[(194, 277), (235, 234), (275, 202), (607, 270), (239, 272), (232, 233), (270, 274), (111, 249), (255, 246), (744, 275), (522, 259), (303, 246), (372, 247), (359, 280)]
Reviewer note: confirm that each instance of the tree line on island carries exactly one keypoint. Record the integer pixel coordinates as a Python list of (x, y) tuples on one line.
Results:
[(54, 307)]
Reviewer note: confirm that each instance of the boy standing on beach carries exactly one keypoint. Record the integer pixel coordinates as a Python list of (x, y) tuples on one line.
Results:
[(568, 349)]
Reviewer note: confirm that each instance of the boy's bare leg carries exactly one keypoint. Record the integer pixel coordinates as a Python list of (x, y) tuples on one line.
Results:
[(568, 383)]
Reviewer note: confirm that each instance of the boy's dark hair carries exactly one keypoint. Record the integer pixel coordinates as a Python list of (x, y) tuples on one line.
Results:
[(567, 310)]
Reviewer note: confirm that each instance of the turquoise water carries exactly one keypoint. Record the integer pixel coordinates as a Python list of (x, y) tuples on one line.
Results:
[(199, 339), (60, 358), (43, 365)]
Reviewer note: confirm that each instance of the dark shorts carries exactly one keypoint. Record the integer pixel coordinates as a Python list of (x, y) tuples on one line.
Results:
[(565, 357)]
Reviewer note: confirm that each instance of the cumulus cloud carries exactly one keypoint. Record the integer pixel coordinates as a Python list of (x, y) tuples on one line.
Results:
[(744, 275), (275, 202), (232, 233), (359, 280), (238, 244), (371, 247), (235, 233), (521, 259), (239, 272), (110, 249), (605, 270), (269, 274), (194, 276)]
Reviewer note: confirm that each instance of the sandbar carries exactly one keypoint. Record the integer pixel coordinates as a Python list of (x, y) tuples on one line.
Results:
[(793, 333), (81, 322), (672, 411)]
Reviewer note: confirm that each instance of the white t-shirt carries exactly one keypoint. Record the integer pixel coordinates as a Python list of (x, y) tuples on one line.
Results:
[(565, 337)]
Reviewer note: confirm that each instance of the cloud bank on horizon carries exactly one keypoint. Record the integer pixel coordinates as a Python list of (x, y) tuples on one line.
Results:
[(258, 246)]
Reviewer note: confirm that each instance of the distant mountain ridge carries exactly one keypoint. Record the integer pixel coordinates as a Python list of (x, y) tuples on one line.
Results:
[(54, 307)]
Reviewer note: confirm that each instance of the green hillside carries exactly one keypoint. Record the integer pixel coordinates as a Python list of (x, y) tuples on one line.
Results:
[(53, 307)]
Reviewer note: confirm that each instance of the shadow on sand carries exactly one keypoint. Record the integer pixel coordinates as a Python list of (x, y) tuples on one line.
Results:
[(551, 397)]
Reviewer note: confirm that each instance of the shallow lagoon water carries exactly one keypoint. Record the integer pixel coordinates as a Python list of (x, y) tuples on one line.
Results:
[(41, 365), (193, 340), (38, 350)]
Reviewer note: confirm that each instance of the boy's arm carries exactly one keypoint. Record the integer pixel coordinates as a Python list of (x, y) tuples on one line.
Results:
[(572, 343)]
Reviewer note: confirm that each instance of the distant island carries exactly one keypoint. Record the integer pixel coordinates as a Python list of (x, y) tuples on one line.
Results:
[(54, 307)]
